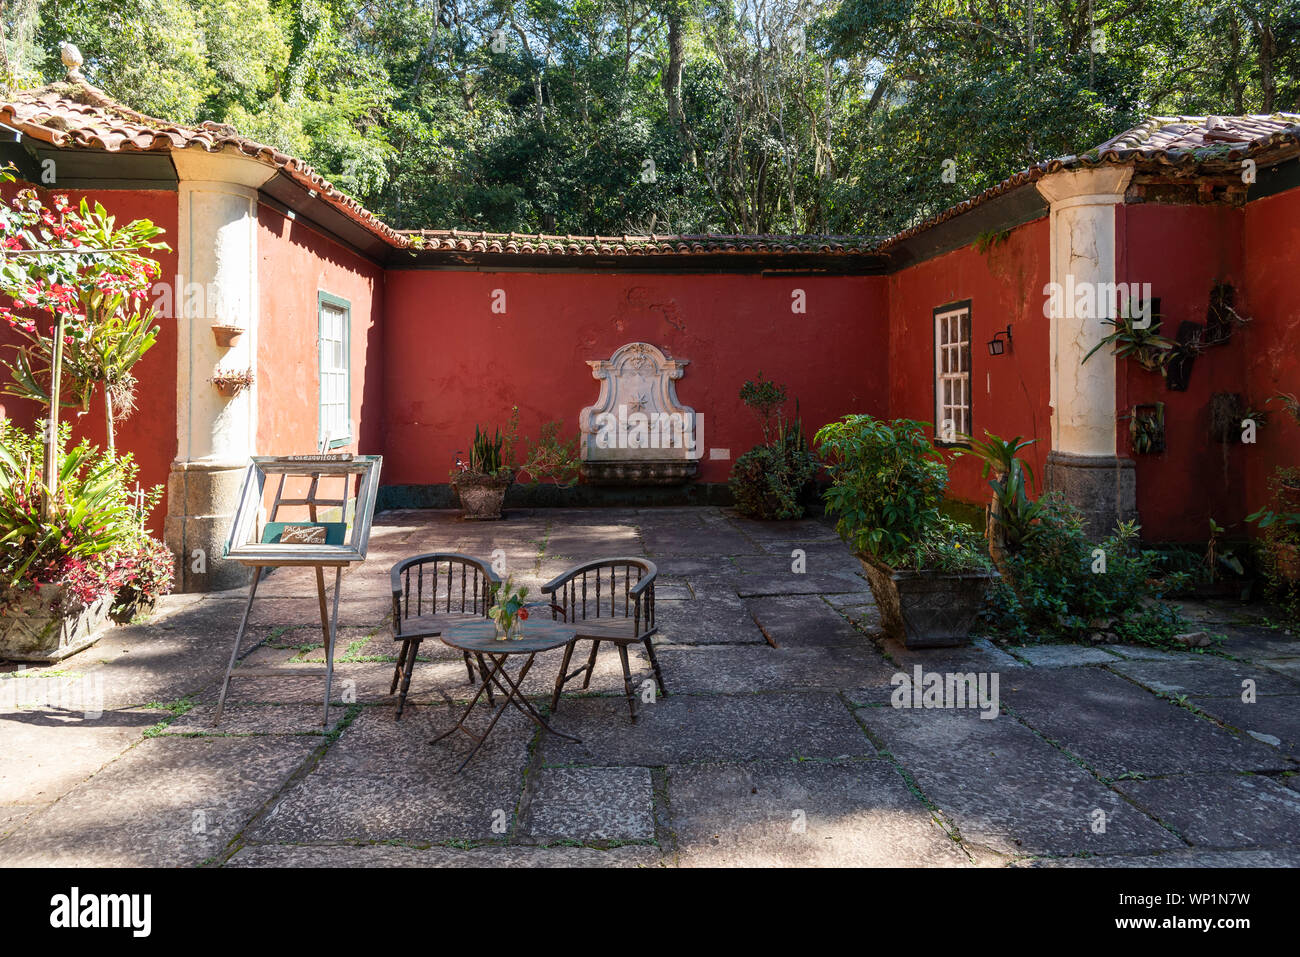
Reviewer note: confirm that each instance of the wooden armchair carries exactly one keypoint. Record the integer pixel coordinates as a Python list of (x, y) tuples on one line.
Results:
[(613, 600), (431, 592)]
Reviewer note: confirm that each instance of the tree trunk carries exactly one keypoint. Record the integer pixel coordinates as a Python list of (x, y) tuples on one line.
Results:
[(50, 465), (673, 86), (108, 418)]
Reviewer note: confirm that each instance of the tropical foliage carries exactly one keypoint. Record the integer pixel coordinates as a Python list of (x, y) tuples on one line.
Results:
[(615, 116)]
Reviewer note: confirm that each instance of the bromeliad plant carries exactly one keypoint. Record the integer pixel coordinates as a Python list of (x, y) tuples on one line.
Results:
[(509, 612), (1146, 346), (1012, 515), (94, 543)]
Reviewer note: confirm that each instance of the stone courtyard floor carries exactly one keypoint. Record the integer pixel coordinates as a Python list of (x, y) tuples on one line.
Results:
[(776, 744)]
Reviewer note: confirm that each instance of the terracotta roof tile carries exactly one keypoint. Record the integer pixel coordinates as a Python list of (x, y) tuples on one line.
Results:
[(75, 114), (1209, 143), (653, 245)]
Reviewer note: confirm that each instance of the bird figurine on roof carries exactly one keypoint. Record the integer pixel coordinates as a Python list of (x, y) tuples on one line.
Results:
[(72, 59)]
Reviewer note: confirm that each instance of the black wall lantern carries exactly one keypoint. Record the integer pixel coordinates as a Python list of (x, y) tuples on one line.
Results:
[(996, 345)]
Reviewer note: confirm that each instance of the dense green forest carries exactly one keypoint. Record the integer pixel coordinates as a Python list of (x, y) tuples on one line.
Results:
[(614, 116)]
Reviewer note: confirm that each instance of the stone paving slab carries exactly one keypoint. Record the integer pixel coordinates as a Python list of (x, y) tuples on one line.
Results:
[(804, 814), (681, 729), (1286, 666), (691, 540), (803, 623), (790, 530), (705, 669), (1221, 810), (1008, 790), (586, 543), (705, 623), (1274, 719), (1118, 728), (791, 583), (45, 753), (13, 815), (255, 720), (169, 802), (1061, 656), (1191, 859), (589, 804), (1147, 653), (382, 855), (979, 656), (1253, 642), (382, 780), (1206, 677)]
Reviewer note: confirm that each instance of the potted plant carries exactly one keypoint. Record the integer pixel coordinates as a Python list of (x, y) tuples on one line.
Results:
[(481, 483), (225, 335), (929, 574), (232, 382), (65, 569)]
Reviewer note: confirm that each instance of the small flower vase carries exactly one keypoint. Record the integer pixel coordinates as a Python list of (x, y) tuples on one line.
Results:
[(512, 629)]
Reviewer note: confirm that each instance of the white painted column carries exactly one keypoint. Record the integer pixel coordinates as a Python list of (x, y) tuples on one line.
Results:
[(216, 284), (1083, 461)]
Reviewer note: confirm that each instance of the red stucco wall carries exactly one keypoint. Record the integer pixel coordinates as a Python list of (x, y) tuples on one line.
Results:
[(295, 264), (450, 362), (1010, 392), (1182, 251), (1270, 258), (150, 433)]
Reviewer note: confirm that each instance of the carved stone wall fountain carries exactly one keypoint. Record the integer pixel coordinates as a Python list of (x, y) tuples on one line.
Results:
[(638, 433)]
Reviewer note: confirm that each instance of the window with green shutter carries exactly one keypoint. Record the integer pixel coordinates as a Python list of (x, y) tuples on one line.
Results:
[(335, 372)]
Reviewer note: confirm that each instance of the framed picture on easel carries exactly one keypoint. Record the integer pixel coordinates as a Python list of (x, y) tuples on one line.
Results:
[(302, 511)]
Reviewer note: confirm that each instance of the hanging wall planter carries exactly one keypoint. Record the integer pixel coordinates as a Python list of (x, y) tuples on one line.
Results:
[(227, 336), (1146, 428), (231, 383)]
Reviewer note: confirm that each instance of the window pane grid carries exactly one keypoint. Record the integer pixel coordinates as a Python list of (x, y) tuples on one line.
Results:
[(952, 335), (334, 388)]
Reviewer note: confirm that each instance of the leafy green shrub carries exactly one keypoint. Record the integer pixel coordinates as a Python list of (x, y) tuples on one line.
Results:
[(1054, 585), (1279, 525), (887, 482), (770, 481)]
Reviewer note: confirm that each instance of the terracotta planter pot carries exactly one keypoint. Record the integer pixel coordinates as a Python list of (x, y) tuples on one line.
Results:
[(41, 626), (230, 389), (481, 496), (227, 336), (926, 609)]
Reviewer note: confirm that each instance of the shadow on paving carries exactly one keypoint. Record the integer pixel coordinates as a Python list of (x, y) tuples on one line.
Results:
[(775, 745)]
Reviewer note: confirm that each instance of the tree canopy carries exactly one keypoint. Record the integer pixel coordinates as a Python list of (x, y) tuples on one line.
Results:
[(637, 116)]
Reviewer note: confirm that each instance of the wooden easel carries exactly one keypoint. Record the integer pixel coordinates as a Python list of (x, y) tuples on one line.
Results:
[(328, 620)]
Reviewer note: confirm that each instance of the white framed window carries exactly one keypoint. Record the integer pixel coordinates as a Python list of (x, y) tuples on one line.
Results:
[(952, 392), (335, 371)]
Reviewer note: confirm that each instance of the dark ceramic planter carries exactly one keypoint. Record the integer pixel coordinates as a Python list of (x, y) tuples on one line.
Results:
[(481, 496), (927, 609)]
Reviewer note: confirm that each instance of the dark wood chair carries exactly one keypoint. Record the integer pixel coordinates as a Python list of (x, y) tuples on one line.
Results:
[(607, 600), (431, 592)]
